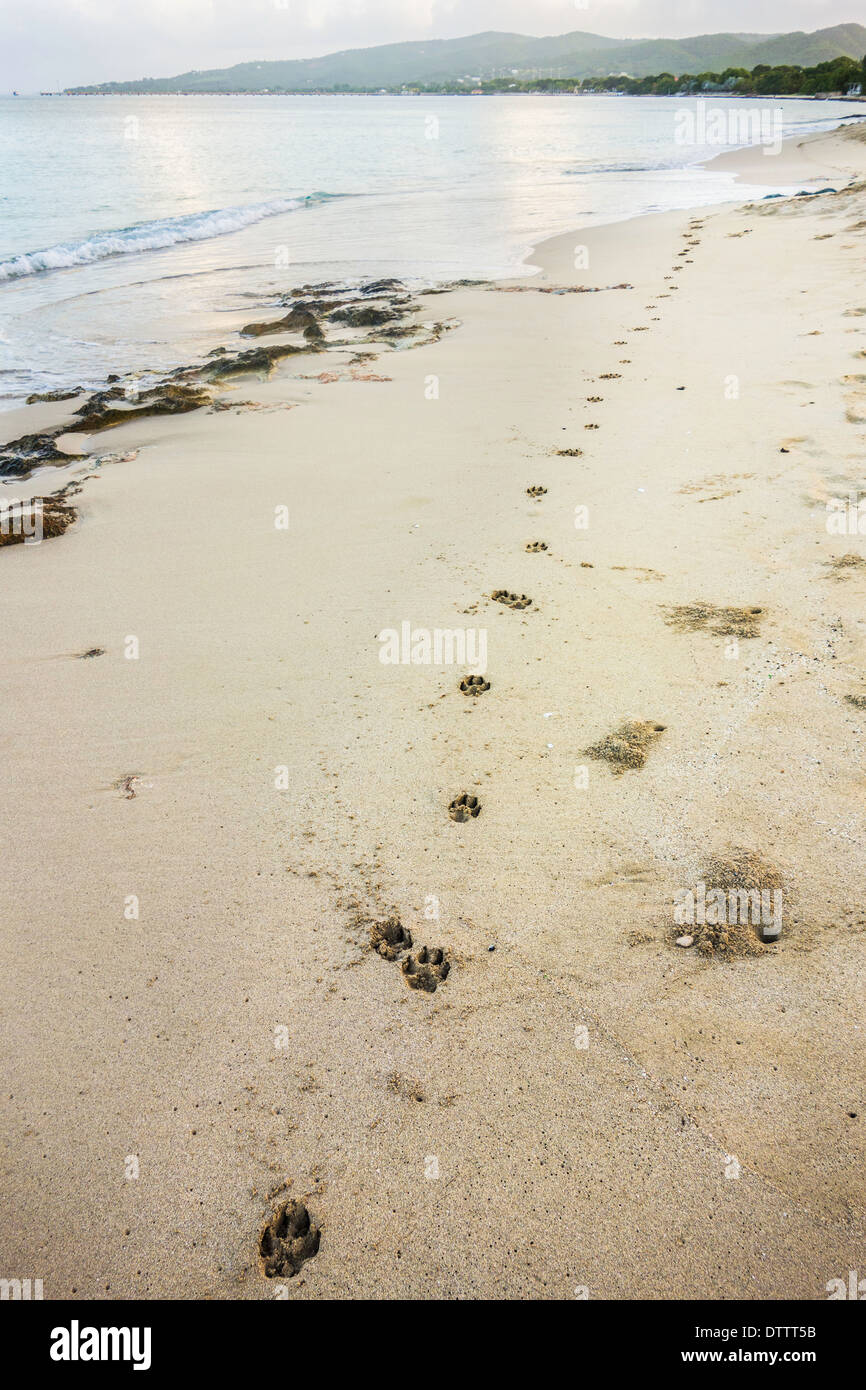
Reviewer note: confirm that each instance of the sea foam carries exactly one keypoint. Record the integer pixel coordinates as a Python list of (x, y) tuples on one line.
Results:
[(151, 236)]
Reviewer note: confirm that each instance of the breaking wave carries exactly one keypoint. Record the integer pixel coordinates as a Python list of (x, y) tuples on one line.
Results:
[(151, 236)]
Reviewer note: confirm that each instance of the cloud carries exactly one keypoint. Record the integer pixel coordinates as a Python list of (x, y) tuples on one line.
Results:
[(57, 43)]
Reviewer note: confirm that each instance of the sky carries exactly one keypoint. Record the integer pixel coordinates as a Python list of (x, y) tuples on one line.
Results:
[(49, 44)]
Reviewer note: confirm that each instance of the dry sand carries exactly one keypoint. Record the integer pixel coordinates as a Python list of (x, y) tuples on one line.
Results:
[(606, 1112)]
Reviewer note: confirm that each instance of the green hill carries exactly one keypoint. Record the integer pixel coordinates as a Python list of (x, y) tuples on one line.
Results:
[(495, 55)]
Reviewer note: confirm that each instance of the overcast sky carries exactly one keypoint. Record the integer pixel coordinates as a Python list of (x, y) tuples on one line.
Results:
[(62, 43)]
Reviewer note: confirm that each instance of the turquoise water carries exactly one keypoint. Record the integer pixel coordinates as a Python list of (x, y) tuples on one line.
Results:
[(131, 227)]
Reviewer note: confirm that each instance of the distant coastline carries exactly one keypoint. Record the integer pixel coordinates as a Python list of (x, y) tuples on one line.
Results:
[(400, 92), (829, 62), (842, 79)]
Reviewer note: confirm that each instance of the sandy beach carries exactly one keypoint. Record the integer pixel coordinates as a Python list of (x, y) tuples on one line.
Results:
[(206, 822)]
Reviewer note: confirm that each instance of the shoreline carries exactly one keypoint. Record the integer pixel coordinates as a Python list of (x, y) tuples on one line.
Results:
[(795, 156), (584, 1085), (722, 96), (746, 162)]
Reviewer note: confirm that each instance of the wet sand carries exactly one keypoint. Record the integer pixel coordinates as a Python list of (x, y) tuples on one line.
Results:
[(587, 1109)]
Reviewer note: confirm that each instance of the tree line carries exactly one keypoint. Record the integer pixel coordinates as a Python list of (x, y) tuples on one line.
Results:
[(837, 75)]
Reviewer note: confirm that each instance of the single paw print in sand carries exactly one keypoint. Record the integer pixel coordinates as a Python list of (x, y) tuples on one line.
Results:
[(536, 490), (511, 600), (595, 400), (535, 546), (427, 969), (390, 939), (127, 783), (464, 807), (288, 1239), (474, 685)]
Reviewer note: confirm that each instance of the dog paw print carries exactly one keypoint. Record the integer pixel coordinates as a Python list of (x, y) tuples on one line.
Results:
[(390, 938), (473, 685), (427, 969), (594, 400), (536, 490), (535, 546), (464, 807), (511, 600), (127, 784), (288, 1239), (590, 427)]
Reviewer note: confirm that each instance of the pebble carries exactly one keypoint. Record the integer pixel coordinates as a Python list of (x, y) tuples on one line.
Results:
[(685, 941)]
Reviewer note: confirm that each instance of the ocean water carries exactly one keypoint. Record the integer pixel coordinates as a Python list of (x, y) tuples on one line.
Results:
[(133, 230)]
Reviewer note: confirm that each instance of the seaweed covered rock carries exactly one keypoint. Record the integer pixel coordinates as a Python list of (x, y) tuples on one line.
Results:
[(368, 315), (20, 456), (54, 517), (60, 394), (298, 320), (259, 359), (117, 407)]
